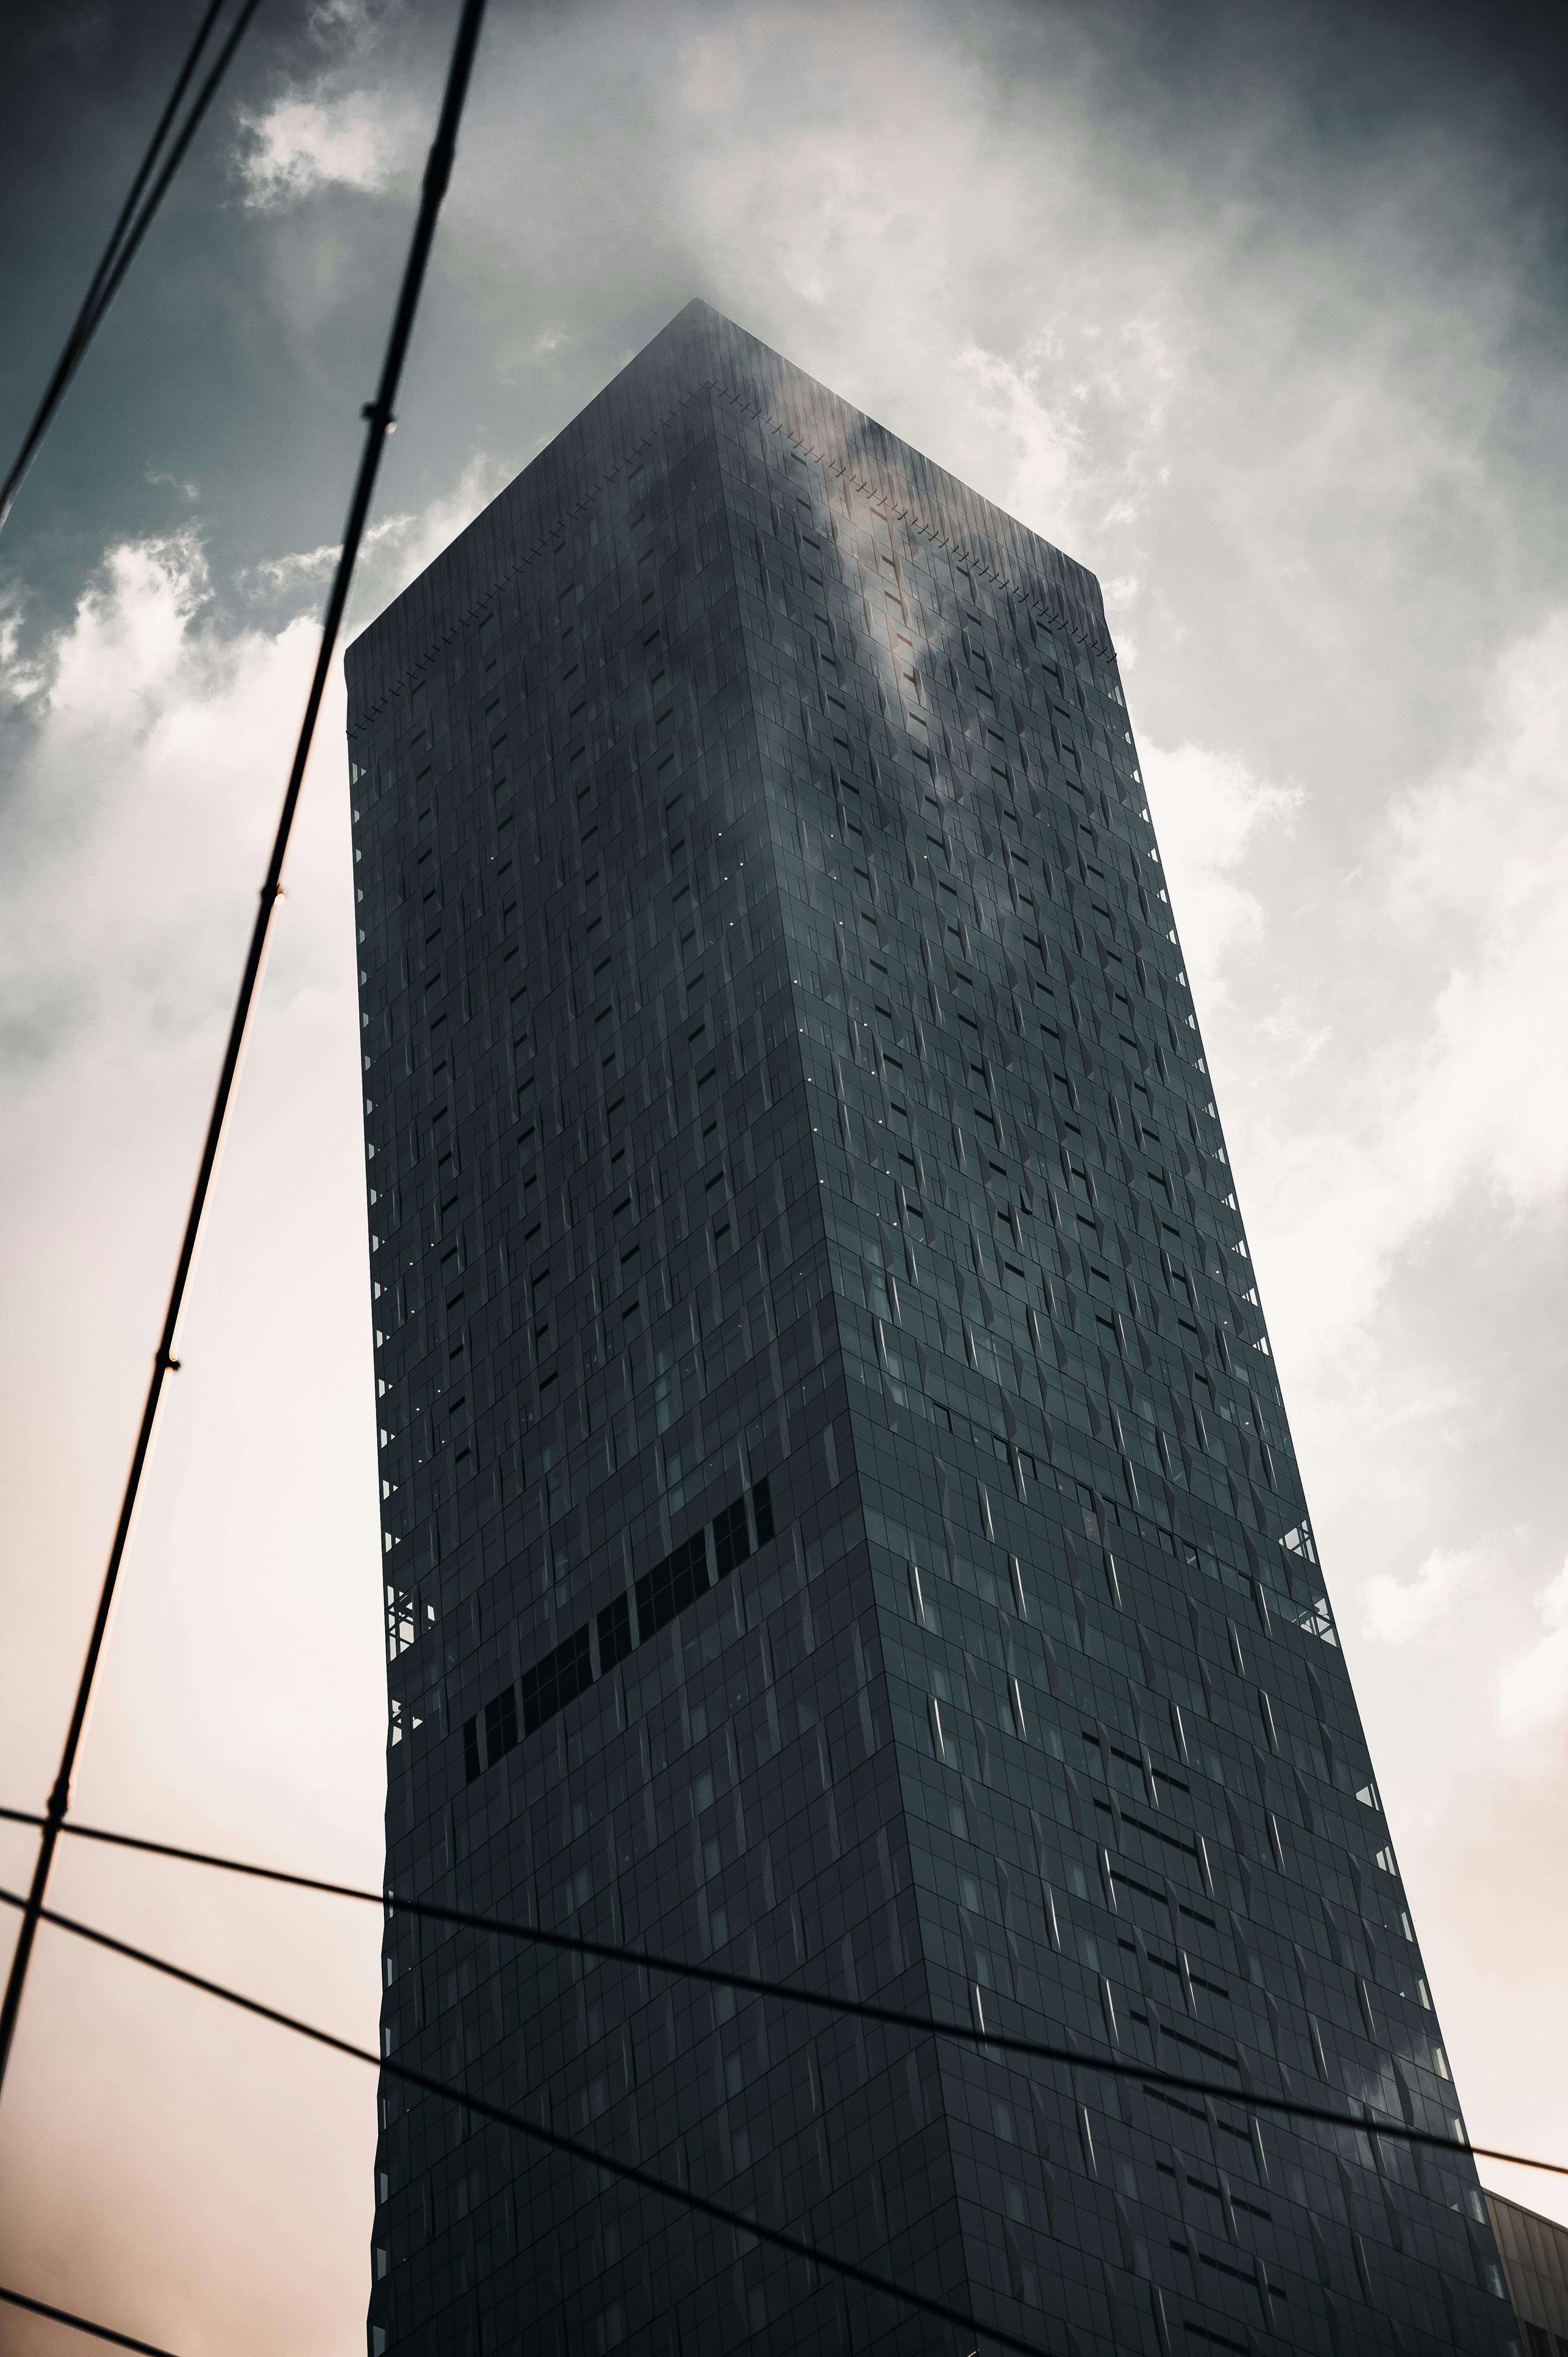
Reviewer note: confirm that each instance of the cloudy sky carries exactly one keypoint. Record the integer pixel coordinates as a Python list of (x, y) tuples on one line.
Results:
[(1257, 310)]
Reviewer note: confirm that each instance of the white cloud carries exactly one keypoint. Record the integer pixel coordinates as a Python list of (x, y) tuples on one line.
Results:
[(1386, 1060), (20, 679), (1533, 1691), (1039, 436), (300, 144), (296, 569), (143, 800), (1207, 807), (116, 664), (1482, 865), (1398, 1611)]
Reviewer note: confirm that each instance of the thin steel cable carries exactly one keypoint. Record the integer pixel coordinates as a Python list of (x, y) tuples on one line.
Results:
[(126, 236), (133, 195), (378, 419), (82, 2323), (586, 2153), (1247, 2097)]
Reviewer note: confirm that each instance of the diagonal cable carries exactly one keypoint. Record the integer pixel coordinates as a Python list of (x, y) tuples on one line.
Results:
[(496, 2113), (890, 2017), (80, 2323), (127, 235), (378, 420), (144, 172)]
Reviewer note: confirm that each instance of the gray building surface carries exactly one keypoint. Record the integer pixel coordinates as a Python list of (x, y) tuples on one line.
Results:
[(840, 1518), (1534, 2252)]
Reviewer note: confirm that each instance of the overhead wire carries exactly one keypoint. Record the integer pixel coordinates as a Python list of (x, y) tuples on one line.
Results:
[(130, 229), (80, 2323), (144, 170), (497, 2113), (1247, 2096), (378, 417)]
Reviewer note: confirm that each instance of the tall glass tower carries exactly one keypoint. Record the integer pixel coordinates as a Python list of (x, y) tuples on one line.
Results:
[(839, 1514)]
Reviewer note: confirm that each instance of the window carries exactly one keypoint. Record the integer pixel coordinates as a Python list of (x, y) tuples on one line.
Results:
[(732, 1540), (614, 1633), (501, 1724), (672, 1585), (762, 1508), (557, 1679)]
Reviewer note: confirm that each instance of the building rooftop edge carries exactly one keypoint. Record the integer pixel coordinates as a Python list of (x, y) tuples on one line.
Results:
[(702, 349)]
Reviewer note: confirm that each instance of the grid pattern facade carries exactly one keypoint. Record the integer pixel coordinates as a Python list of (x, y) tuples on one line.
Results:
[(1534, 2252), (839, 1514)]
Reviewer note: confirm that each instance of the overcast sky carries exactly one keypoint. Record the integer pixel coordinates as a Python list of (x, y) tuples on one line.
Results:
[(1258, 312)]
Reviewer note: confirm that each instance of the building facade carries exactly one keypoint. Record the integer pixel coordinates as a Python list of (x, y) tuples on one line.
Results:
[(840, 1519), (1534, 2253)]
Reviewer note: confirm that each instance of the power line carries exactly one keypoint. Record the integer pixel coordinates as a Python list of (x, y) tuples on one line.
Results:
[(80, 2323), (377, 414), (143, 171), (1246, 2095), (586, 2153), (126, 236)]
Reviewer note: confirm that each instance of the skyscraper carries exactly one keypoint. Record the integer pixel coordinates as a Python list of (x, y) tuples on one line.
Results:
[(840, 1519)]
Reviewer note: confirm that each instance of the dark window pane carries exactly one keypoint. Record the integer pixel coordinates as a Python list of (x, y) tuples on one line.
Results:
[(501, 1724), (672, 1585), (732, 1540), (555, 1681), (614, 1633)]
